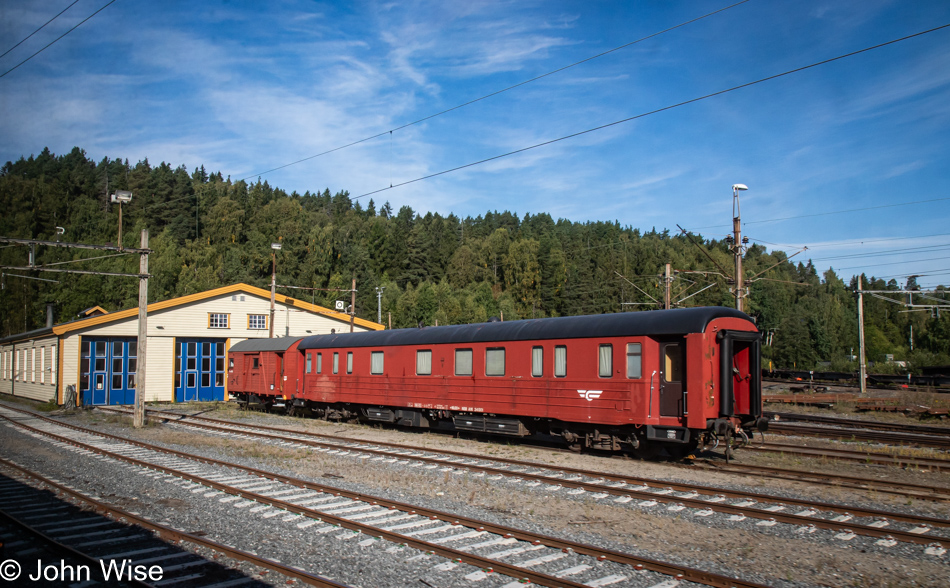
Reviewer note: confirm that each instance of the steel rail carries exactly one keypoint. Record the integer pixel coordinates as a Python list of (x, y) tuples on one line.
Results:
[(169, 533), (888, 437), (760, 513), (851, 455), (638, 563), (939, 493), (856, 423)]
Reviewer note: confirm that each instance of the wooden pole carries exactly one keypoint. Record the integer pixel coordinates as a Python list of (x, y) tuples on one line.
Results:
[(666, 294), (139, 418), (352, 304), (861, 355)]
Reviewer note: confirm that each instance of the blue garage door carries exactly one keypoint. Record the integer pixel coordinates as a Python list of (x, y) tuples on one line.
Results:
[(199, 370), (107, 370)]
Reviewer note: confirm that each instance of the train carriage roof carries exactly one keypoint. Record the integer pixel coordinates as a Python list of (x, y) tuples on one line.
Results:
[(625, 324), (255, 345)]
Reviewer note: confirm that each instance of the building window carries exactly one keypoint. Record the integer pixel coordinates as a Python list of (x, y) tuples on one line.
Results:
[(349, 362), (42, 365), (560, 361), (424, 362), (463, 362), (605, 358), (537, 362), (336, 362), (495, 362), (218, 320), (257, 321), (376, 363), (309, 361), (33, 364), (634, 361), (319, 363)]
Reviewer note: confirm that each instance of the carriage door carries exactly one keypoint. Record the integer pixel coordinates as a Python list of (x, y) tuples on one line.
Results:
[(672, 377)]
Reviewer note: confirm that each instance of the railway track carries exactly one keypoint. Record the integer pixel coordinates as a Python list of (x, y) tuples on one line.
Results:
[(856, 434), (811, 515), (860, 456), (858, 423), (69, 536), (322, 510)]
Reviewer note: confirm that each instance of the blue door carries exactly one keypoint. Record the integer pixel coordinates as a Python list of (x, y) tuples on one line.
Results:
[(199, 370), (107, 370)]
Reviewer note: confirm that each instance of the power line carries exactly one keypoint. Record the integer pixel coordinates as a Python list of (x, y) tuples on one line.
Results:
[(773, 220), (38, 30), (886, 252), (663, 109), (844, 243), (497, 92), (58, 38)]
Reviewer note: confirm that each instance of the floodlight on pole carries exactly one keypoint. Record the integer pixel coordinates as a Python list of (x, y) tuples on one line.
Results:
[(122, 197)]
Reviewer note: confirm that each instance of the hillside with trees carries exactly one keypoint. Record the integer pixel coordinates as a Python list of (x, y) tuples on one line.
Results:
[(208, 231)]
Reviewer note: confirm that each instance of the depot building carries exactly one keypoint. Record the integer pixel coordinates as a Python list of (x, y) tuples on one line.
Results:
[(187, 343)]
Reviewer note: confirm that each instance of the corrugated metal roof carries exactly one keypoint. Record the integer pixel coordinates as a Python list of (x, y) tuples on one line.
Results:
[(34, 334), (625, 324), (275, 344)]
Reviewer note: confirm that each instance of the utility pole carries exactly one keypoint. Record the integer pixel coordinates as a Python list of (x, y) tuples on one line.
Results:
[(352, 304), (861, 361), (379, 304), (667, 280), (275, 247), (138, 419), (737, 245)]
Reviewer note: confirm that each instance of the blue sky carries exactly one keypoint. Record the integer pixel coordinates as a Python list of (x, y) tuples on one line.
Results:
[(245, 87)]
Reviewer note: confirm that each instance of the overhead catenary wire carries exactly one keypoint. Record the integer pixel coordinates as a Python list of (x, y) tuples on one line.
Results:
[(26, 38), (58, 38), (663, 109), (495, 93)]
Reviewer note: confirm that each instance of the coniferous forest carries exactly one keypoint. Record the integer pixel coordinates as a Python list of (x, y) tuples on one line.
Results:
[(207, 231)]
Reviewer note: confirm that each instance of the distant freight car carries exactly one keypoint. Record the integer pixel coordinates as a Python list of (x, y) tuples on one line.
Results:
[(627, 381)]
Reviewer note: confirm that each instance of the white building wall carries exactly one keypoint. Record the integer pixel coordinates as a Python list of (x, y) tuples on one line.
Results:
[(29, 368)]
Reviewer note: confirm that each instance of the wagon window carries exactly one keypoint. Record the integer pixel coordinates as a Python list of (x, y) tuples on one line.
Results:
[(424, 362), (672, 363), (336, 362), (463, 362), (537, 361), (255, 363), (349, 362), (495, 362), (634, 361), (319, 363), (606, 360), (560, 361), (309, 362), (376, 363)]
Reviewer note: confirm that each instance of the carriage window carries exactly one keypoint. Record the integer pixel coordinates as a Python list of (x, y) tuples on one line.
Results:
[(309, 362), (560, 361), (672, 363), (424, 362), (606, 360), (376, 363), (255, 363), (537, 361), (495, 362), (336, 362), (463, 362), (349, 362), (634, 361), (319, 363)]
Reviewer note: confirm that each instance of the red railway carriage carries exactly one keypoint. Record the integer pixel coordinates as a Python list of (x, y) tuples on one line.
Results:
[(265, 371), (670, 378)]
